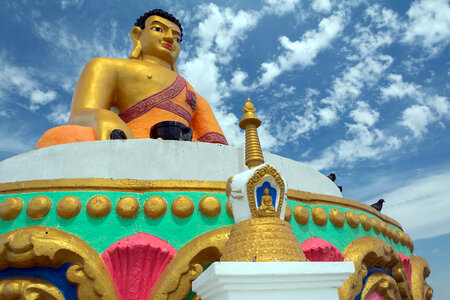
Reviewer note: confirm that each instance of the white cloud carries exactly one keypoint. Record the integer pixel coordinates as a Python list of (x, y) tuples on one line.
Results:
[(75, 50), (398, 88), (349, 86), (383, 17), (321, 6), (365, 143), (218, 36), (59, 115), (39, 98), (421, 205), (16, 80), (15, 139), (237, 81), (67, 3), (429, 24), (417, 118), (223, 28), (280, 7), (364, 114), (302, 52)]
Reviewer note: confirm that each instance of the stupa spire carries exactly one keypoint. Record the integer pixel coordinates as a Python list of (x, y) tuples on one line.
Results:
[(250, 123)]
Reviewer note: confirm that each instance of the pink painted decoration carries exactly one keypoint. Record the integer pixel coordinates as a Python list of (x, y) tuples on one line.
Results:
[(135, 264), (407, 264), (316, 249), (375, 296)]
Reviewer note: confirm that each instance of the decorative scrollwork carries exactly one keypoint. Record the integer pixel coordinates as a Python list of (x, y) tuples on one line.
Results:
[(40, 246), (189, 262), (383, 284), (420, 271), (28, 288), (367, 252)]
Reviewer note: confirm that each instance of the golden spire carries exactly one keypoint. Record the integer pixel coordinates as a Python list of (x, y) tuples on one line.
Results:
[(250, 122)]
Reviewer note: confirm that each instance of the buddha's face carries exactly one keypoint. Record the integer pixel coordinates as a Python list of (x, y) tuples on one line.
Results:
[(161, 38)]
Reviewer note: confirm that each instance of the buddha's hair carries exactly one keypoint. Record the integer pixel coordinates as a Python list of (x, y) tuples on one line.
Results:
[(140, 22)]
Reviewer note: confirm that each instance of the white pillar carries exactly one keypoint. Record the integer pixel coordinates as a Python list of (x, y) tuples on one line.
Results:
[(272, 280)]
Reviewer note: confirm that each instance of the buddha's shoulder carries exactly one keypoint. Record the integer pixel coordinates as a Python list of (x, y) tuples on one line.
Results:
[(111, 62)]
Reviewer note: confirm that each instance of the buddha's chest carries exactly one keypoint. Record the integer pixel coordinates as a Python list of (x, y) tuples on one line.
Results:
[(141, 83)]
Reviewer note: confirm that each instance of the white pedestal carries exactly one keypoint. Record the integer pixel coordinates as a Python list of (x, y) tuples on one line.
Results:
[(272, 280)]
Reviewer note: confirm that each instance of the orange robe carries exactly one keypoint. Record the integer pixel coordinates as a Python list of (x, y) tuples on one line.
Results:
[(178, 102)]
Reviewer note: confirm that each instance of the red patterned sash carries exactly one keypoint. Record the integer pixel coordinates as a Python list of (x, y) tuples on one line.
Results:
[(213, 137), (161, 100)]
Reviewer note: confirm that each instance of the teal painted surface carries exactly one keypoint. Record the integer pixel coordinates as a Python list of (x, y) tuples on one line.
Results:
[(100, 233)]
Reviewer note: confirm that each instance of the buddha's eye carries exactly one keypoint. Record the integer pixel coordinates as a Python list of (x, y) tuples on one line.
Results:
[(178, 39), (156, 28)]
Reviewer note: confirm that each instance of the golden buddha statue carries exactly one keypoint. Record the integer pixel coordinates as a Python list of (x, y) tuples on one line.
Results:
[(145, 89), (266, 206)]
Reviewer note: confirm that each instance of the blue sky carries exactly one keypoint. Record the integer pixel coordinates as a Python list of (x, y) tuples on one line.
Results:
[(358, 88)]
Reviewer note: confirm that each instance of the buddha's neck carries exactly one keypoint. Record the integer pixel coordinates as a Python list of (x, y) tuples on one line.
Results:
[(157, 60)]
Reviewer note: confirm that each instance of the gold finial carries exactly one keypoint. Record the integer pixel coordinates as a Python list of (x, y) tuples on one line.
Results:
[(250, 122)]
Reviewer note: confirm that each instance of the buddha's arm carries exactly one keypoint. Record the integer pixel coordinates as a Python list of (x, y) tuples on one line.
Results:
[(204, 124), (93, 97)]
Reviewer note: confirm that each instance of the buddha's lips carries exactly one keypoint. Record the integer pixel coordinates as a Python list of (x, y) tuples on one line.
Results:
[(169, 46)]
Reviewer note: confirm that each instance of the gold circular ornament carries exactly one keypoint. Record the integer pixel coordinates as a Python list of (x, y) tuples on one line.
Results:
[(402, 238), (366, 222), (384, 229), (39, 207), (376, 224), (98, 206), (319, 215), (10, 208), (395, 235), (288, 213), (182, 207), (301, 214), (390, 232), (68, 207), (352, 218), (155, 207), (128, 207), (337, 217), (209, 206), (228, 208), (410, 242)]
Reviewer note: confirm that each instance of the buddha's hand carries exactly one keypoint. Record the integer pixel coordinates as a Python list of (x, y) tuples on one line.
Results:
[(103, 122)]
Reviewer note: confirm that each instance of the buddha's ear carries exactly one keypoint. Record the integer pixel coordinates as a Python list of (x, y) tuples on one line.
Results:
[(135, 34)]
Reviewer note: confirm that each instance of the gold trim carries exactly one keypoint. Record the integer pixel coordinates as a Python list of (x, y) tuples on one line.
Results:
[(50, 248), (106, 184), (144, 186), (420, 271), (189, 262), (28, 288), (366, 252), (383, 284)]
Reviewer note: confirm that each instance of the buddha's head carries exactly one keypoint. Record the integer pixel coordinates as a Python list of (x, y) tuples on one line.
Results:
[(157, 34)]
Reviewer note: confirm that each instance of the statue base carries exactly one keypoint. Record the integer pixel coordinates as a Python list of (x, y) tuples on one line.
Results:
[(272, 280)]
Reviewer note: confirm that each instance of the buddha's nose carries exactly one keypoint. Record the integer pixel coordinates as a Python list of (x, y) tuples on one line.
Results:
[(168, 36)]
